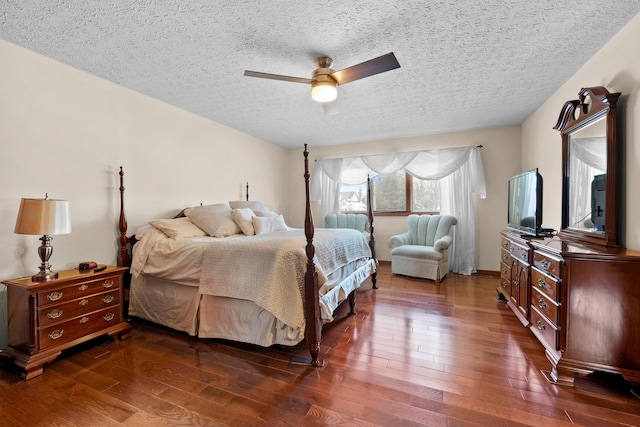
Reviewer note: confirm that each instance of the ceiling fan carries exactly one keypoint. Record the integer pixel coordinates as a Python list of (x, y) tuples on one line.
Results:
[(324, 80)]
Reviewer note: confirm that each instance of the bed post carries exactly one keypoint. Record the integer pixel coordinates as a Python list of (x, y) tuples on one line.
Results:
[(124, 260), (313, 325), (372, 240)]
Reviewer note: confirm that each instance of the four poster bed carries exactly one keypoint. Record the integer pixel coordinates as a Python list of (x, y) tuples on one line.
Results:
[(267, 285)]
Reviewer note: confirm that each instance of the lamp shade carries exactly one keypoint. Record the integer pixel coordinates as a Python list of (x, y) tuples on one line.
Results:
[(43, 216)]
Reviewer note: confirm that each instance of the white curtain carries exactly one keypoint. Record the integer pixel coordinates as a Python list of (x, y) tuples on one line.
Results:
[(588, 159), (459, 171)]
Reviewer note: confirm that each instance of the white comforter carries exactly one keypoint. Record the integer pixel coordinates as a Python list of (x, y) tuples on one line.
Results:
[(267, 269)]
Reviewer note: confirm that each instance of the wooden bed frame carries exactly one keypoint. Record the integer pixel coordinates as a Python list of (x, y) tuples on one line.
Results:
[(313, 325)]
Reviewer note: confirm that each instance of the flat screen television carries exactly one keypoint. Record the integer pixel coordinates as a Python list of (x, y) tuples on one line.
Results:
[(525, 203)]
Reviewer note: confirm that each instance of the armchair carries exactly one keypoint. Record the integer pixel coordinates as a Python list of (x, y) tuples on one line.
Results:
[(423, 251)]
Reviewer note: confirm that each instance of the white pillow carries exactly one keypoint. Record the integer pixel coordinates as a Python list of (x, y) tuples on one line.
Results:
[(254, 205), (242, 217), (215, 220), (266, 213), (263, 225), (178, 227)]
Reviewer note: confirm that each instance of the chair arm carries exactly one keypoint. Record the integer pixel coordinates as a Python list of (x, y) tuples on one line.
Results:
[(443, 243), (400, 240)]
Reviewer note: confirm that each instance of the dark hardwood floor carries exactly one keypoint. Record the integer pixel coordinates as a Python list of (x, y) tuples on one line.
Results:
[(416, 354)]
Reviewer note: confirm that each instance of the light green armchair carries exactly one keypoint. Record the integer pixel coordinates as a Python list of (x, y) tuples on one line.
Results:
[(423, 251)]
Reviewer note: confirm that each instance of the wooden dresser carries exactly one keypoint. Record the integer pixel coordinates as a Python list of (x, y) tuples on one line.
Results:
[(584, 304), (46, 318), (515, 259)]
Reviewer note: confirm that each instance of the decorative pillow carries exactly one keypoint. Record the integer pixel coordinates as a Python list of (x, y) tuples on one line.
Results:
[(215, 220), (242, 217), (254, 205), (178, 227), (266, 214), (140, 232), (265, 225)]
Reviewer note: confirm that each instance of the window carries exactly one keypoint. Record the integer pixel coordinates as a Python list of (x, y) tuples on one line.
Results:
[(393, 194)]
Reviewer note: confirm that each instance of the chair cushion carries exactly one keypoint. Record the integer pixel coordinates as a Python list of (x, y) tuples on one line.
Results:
[(418, 252)]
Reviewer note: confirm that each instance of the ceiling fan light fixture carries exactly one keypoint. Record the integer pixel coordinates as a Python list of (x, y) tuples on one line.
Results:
[(324, 91)]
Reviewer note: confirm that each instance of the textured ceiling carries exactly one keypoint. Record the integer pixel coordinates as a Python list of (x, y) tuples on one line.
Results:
[(465, 64)]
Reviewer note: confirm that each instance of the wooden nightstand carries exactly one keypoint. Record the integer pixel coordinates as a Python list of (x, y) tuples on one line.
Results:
[(46, 318)]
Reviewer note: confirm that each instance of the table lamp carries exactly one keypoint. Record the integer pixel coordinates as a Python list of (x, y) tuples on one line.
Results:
[(46, 217)]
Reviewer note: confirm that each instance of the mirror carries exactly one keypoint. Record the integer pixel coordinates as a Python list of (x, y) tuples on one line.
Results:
[(587, 177), (589, 163)]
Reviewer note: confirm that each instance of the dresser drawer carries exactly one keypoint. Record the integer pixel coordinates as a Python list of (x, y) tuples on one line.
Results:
[(68, 310), (505, 243), (505, 270), (546, 306), (78, 327), (547, 264), (78, 290), (546, 332), (519, 252), (545, 284), (505, 256)]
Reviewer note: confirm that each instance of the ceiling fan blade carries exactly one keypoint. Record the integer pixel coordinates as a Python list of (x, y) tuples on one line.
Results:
[(365, 69), (276, 77), (330, 108)]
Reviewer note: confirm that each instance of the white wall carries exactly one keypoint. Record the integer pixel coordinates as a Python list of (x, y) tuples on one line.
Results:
[(616, 67), (501, 159), (65, 132)]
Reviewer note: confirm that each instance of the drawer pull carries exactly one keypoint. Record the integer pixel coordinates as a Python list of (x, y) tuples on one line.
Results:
[(505, 257), (107, 299), (85, 319), (523, 255), (108, 317), (107, 283), (54, 314), (54, 296), (83, 302), (542, 283), (83, 287), (56, 334), (545, 264), (505, 284), (504, 270), (505, 244), (542, 304), (541, 325)]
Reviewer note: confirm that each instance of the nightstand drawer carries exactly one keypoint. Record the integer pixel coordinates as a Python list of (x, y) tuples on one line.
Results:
[(78, 290), (68, 310), (78, 327)]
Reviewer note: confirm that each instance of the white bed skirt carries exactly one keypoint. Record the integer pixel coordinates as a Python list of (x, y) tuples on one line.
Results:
[(182, 307)]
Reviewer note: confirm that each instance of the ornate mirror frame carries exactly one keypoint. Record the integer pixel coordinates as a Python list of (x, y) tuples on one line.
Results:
[(593, 104)]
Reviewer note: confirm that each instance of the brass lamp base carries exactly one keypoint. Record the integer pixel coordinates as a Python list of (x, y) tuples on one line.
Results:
[(45, 250), (44, 275)]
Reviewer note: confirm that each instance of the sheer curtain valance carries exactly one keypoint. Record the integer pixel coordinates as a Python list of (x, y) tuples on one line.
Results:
[(459, 171)]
